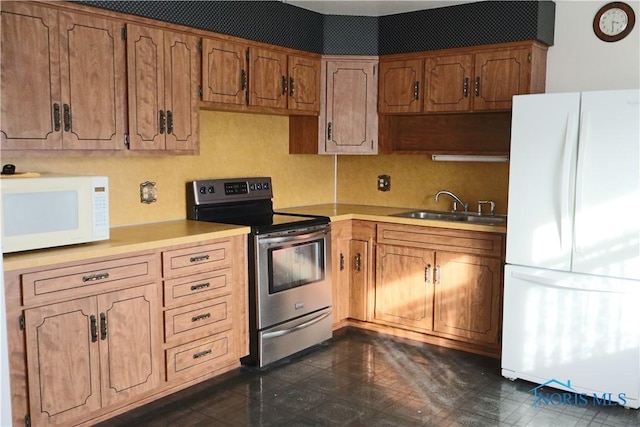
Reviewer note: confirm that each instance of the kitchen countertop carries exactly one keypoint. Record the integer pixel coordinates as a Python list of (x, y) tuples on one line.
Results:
[(341, 211), (125, 239)]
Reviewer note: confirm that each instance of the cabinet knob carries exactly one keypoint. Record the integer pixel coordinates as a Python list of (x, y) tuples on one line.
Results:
[(284, 85), (243, 80), (292, 87), (329, 131), (341, 261), (416, 90), (465, 87), (358, 262), (427, 274), (94, 328), (477, 87)]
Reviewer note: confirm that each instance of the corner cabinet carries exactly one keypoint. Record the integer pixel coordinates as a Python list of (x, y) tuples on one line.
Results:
[(164, 84), (479, 78), (348, 116), (353, 271), (66, 72)]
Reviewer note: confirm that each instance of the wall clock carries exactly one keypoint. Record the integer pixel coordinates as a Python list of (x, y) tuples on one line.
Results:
[(614, 21)]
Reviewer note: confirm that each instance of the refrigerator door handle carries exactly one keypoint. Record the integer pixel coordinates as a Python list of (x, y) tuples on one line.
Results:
[(582, 153), (560, 284), (570, 143)]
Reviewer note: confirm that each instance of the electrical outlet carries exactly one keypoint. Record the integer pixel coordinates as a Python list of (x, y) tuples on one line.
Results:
[(384, 183), (148, 192)]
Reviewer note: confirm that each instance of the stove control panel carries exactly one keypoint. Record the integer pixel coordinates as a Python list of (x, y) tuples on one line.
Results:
[(210, 191)]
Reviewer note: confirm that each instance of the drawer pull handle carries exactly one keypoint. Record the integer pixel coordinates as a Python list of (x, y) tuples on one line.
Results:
[(200, 286), (427, 274), (358, 262), (201, 354), (103, 326), (199, 258), (95, 277), (94, 328), (200, 317)]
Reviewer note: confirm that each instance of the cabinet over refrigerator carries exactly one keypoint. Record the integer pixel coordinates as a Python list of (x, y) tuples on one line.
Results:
[(572, 280)]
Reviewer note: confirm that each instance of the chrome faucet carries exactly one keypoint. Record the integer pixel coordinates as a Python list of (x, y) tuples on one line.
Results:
[(455, 198)]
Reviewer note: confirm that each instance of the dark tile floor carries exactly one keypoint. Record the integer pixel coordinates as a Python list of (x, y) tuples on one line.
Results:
[(360, 379)]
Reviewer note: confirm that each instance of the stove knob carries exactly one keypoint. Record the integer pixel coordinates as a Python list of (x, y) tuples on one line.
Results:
[(211, 189), (203, 190), (252, 187), (265, 185), (259, 186)]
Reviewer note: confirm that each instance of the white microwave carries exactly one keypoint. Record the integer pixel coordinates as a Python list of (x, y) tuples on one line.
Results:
[(53, 210)]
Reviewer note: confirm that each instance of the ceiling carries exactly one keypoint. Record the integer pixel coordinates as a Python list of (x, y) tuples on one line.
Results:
[(371, 7)]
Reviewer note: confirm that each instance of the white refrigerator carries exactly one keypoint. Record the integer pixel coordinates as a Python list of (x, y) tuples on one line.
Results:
[(572, 280)]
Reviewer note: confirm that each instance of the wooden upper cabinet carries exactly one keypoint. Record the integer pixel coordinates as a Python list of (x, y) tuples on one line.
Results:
[(224, 72), (479, 78), (400, 85), (447, 83), (268, 79), (499, 76), (304, 83), (65, 73), (163, 81), (349, 119)]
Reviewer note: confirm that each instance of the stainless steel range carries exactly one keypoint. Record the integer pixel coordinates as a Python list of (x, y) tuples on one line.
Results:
[(289, 265)]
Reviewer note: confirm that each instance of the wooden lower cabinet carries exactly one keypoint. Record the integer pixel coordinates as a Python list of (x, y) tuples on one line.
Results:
[(467, 296), (91, 339), (92, 352), (443, 284), (404, 289)]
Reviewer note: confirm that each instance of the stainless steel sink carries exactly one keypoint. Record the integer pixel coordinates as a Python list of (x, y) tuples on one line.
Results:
[(469, 217)]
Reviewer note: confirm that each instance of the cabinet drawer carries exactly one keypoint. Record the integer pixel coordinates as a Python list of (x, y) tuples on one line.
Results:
[(77, 280), (205, 355), (198, 320), (196, 288), (196, 259), (442, 239)]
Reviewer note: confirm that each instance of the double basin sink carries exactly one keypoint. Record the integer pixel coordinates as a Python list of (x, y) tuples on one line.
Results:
[(468, 217)]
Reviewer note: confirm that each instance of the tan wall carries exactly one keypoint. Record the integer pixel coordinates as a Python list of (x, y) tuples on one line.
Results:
[(231, 144), (416, 178)]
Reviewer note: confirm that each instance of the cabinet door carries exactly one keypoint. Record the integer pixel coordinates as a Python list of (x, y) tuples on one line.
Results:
[(304, 83), (181, 98), (224, 72), (130, 336), (63, 362), (404, 286), (359, 255), (92, 70), (400, 86), (467, 296), (498, 77), (350, 116), (447, 83), (268, 83), (145, 69), (30, 78), (341, 278)]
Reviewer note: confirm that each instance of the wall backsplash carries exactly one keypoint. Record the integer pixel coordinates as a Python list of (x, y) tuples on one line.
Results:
[(231, 144), (416, 178)]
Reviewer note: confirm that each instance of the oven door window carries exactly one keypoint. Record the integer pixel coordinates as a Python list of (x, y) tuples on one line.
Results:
[(296, 265)]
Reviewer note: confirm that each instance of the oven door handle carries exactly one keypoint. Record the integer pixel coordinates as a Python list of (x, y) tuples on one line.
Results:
[(306, 324), (293, 238)]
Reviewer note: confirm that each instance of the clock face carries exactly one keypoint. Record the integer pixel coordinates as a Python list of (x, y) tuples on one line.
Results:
[(614, 21)]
